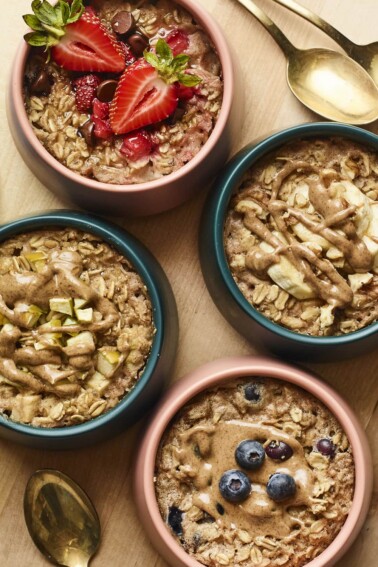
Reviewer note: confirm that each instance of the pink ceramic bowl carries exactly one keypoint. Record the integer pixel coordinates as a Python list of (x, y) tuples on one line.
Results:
[(224, 370), (143, 198)]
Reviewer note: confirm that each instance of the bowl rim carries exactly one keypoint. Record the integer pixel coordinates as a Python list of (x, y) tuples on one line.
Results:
[(221, 194), (216, 35), (225, 370), (128, 246)]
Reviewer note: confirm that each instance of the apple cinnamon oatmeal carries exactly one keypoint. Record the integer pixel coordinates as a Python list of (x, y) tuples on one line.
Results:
[(301, 236), (141, 106), (254, 472), (76, 327)]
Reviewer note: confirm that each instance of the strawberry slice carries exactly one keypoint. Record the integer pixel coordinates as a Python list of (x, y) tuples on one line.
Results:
[(178, 41), (142, 98), (137, 145), (88, 46)]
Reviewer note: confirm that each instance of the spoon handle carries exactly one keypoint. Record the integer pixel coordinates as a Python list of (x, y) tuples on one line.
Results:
[(286, 46), (332, 32)]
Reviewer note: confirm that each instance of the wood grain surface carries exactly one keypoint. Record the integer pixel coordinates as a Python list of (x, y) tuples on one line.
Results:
[(104, 471)]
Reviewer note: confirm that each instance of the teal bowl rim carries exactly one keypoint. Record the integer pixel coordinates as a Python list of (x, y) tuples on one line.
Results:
[(226, 184), (127, 245)]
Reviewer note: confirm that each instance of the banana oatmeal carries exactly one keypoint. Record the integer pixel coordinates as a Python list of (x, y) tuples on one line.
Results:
[(254, 472), (76, 327), (301, 236)]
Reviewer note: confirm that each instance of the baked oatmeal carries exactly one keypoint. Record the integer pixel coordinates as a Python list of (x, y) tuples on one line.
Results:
[(76, 327), (254, 472), (301, 236), (133, 102)]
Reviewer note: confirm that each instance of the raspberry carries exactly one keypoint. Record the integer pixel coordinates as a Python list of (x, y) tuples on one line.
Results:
[(178, 41), (137, 145), (85, 91)]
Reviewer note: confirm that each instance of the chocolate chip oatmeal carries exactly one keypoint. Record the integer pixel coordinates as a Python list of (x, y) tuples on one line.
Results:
[(301, 236), (76, 327), (133, 112), (254, 473)]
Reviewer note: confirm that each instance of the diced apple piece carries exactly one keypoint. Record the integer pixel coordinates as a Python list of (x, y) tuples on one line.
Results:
[(62, 305), (84, 315), (107, 362), (29, 314), (79, 303), (84, 338), (3, 320), (98, 382)]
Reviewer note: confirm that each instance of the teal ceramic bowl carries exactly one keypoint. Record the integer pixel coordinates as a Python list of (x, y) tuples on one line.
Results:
[(144, 394), (254, 326)]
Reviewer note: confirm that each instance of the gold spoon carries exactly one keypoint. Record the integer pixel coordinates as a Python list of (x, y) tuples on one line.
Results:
[(61, 519), (365, 55), (329, 83)]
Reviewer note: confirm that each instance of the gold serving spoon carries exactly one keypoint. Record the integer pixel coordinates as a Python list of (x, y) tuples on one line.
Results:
[(365, 55), (329, 83), (61, 519)]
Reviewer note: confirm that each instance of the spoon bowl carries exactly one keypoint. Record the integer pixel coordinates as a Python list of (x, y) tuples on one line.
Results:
[(327, 82), (61, 519), (365, 55)]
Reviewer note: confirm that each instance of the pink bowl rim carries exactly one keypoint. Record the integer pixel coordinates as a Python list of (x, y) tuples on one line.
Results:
[(224, 53), (224, 370)]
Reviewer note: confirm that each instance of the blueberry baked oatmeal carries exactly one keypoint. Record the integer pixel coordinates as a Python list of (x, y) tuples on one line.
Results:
[(254, 472)]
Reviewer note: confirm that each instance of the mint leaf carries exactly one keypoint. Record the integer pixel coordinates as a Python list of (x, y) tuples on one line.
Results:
[(33, 22)]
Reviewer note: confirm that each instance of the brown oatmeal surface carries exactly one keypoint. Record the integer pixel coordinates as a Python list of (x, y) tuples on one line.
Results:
[(301, 236), (199, 446), (55, 118), (76, 327)]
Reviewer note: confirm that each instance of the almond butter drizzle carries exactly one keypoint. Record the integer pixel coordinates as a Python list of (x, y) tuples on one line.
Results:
[(59, 278), (209, 451), (337, 216)]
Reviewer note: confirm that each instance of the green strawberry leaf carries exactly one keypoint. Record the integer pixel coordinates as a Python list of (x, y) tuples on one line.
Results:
[(189, 80), (36, 39), (163, 51), (33, 22), (77, 8), (152, 59), (171, 68)]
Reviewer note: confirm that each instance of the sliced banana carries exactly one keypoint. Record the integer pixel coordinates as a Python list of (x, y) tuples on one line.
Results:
[(287, 277)]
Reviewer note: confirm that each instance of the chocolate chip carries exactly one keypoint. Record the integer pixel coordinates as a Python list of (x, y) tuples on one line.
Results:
[(176, 116), (175, 516), (138, 43), (41, 84), (220, 508), (106, 90), (87, 132), (122, 22)]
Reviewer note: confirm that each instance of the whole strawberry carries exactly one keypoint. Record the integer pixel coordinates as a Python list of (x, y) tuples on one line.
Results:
[(75, 37)]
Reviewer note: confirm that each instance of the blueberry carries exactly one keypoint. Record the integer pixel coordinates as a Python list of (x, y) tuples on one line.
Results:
[(281, 487), (326, 447), (234, 486), (279, 450), (252, 392), (250, 455), (175, 519)]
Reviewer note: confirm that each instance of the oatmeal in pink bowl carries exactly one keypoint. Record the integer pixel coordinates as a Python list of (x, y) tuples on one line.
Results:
[(127, 93)]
